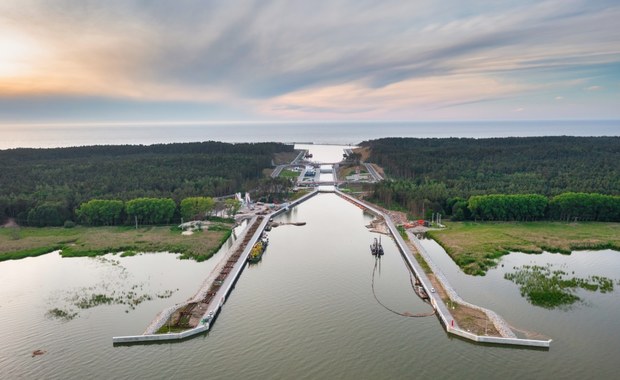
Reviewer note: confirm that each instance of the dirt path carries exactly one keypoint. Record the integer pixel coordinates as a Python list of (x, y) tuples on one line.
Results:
[(10, 223), (472, 320)]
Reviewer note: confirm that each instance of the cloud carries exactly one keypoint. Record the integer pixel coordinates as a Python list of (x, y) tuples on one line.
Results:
[(44, 108), (593, 88), (404, 99), (293, 59), (559, 98)]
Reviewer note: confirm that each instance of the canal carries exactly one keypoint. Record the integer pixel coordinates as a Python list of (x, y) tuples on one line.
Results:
[(306, 311)]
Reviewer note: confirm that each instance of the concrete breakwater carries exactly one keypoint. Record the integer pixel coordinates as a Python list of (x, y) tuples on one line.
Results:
[(498, 322), (201, 294), (218, 298), (442, 311)]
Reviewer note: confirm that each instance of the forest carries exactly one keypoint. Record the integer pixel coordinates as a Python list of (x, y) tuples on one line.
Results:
[(47, 186), (447, 175)]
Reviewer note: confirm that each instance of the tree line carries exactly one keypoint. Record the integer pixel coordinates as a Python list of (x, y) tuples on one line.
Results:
[(107, 212), (516, 165), (571, 206), (522, 207), (442, 175), (567, 206), (47, 186), (498, 207)]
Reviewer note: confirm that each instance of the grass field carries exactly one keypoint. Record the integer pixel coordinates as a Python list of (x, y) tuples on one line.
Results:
[(16, 243), (344, 171), (289, 174), (475, 247)]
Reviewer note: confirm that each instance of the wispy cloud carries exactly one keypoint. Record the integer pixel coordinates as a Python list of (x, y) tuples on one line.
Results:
[(281, 59)]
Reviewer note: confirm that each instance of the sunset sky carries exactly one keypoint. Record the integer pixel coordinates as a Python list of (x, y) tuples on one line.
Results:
[(169, 61)]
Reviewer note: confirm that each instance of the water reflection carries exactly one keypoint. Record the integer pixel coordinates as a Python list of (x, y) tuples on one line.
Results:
[(325, 153), (587, 332), (306, 312)]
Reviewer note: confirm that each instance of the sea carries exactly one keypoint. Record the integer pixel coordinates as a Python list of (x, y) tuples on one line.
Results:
[(342, 133)]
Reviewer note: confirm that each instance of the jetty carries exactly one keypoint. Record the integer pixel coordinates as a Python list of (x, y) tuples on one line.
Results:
[(427, 289), (198, 314)]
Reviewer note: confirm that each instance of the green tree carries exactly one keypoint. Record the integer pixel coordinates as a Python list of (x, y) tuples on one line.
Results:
[(101, 212), (47, 214), (150, 210), (196, 207), (460, 210), (232, 206), (508, 207), (585, 206)]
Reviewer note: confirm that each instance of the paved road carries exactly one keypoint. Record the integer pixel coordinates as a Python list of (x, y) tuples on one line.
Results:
[(373, 172), (277, 170), (299, 157)]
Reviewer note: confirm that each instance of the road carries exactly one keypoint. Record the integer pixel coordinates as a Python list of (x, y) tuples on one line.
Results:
[(279, 168), (373, 172)]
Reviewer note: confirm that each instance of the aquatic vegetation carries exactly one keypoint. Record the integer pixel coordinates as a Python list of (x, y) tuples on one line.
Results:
[(131, 298), (86, 299), (33, 252), (93, 300), (61, 314), (166, 294), (116, 289), (110, 261), (550, 288)]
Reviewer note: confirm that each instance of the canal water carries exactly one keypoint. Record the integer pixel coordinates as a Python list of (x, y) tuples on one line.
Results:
[(306, 311), (325, 153)]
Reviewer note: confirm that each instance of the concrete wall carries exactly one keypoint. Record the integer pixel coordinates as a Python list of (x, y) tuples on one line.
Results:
[(438, 304), (160, 337), (498, 321), (222, 293), (442, 311)]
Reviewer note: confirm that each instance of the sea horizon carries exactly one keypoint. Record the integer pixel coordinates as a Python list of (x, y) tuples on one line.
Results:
[(56, 135)]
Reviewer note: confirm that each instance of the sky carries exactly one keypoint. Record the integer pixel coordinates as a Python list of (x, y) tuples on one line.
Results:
[(113, 61)]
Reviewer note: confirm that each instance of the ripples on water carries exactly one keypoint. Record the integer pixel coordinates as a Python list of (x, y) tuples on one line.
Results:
[(305, 312)]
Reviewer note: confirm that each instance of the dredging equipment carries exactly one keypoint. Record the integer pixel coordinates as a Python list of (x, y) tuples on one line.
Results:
[(376, 248)]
